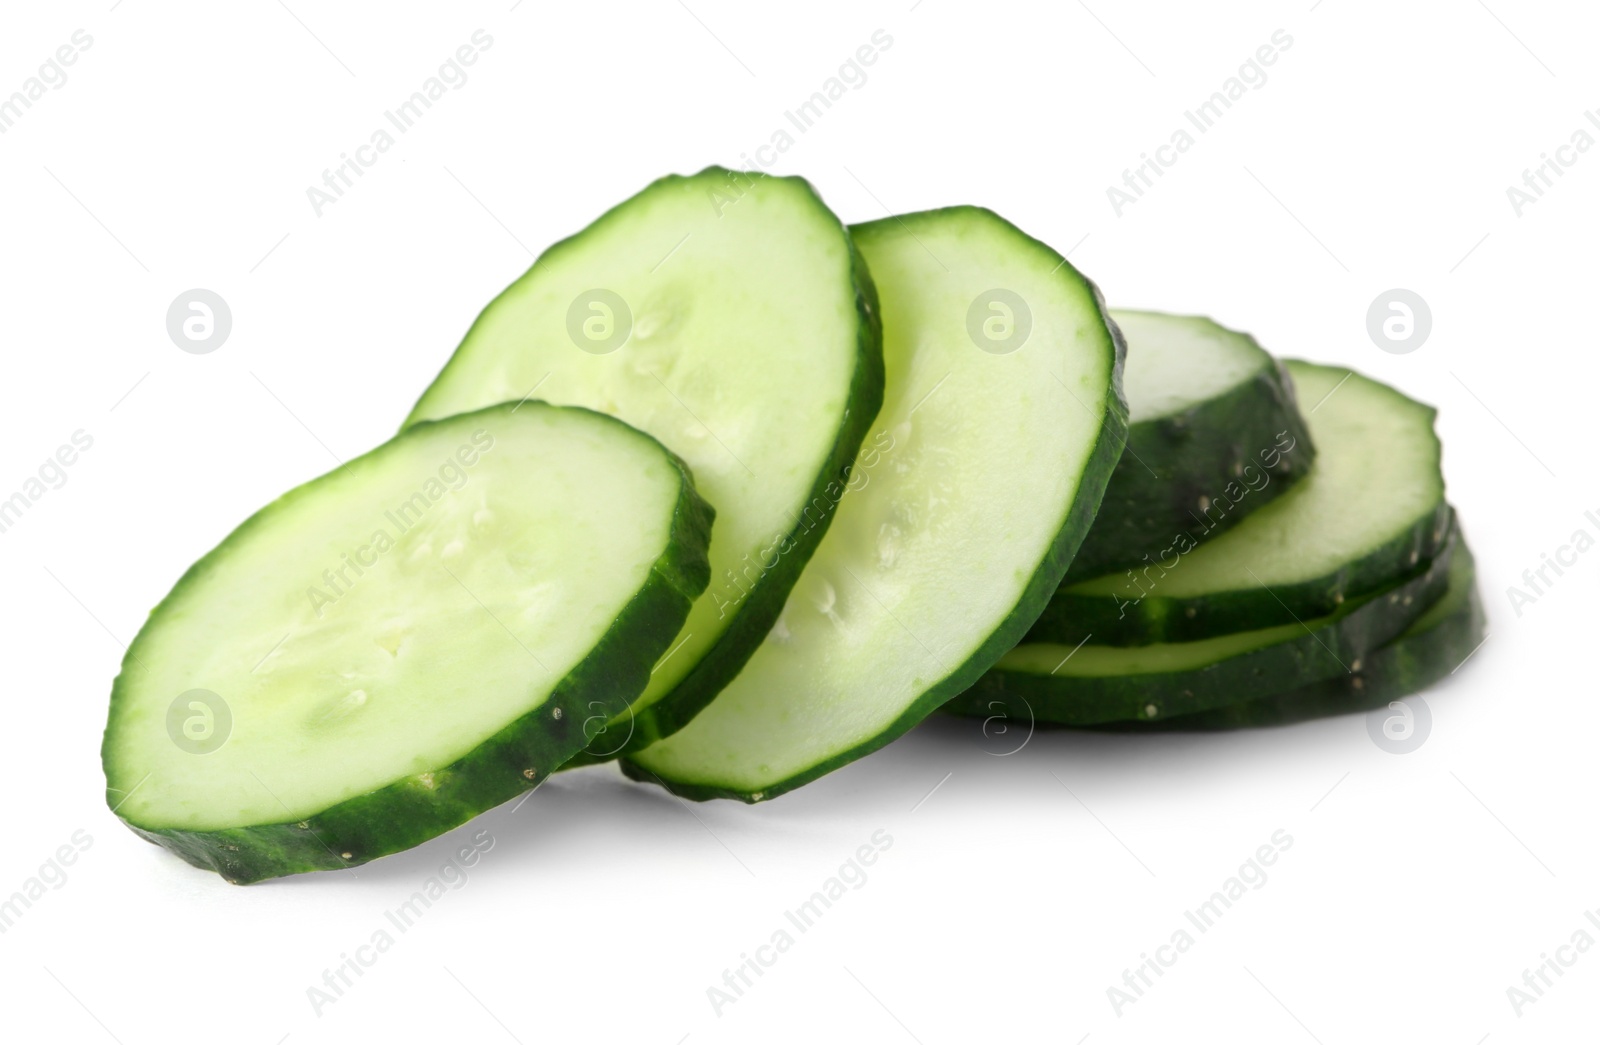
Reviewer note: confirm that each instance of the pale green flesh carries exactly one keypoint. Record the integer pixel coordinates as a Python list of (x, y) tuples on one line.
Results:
[(934, 544), (1094, 661), (492, 587), (1375, 474), (744, 342), (1090, 661), (1178, 362)]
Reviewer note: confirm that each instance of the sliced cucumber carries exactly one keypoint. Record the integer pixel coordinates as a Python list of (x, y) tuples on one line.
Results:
[(1430, 650), (1213, 434), (1370, 508), (1047, 682), (422, 633), (729, 316), (1002, 424)]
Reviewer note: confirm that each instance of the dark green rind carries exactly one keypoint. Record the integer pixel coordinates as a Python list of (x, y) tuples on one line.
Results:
[(1177, 473), (1313, 656), (1044, 581), (514, 760), (1113, 621), (764, 600), (1071, 617), (1426, 653), (740, 641)]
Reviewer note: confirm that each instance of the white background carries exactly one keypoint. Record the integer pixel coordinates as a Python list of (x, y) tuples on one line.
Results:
[(1377, 155)]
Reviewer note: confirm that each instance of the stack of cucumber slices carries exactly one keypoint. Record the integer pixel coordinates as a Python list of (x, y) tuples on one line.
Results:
[(736, 494)]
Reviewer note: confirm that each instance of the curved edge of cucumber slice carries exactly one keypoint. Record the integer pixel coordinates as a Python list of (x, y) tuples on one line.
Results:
[(1180, 466), (1071, 616), (763, 603), (1156, 617), (1040, 587), (512, 761), (743, 637), (1424, 654), (1312, 652)]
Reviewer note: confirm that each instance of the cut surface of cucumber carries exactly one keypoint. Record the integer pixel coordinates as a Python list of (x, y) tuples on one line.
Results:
[(1065, 685), (1003, 419), (422, 633), (729, 316), (1370, 507), (1213, 434), (1428, 651)]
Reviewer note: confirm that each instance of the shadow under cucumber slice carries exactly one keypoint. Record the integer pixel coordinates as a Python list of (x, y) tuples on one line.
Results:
[(1370, 508), (1051, 683), (729, 316), (1213, 434), (386, 651)]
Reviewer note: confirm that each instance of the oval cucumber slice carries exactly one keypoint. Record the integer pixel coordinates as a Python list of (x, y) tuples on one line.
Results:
[(1088, 684), (1370, 508), (1002, 422), (729, 316), (1428, 651), (1213, 434), (422, 633)]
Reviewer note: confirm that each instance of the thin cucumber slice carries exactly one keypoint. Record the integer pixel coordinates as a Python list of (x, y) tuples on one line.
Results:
[(1370, 508), (1430, 650), (1048, 682), (1213, 434), (729, 316), (388, 650), (1002, 424)]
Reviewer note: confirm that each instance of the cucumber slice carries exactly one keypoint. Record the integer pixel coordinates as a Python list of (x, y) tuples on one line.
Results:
[(1430, 650), (1003, 422), (1370, 508), (1048, 682), (729, 316), (1213, 434), (388, 650)]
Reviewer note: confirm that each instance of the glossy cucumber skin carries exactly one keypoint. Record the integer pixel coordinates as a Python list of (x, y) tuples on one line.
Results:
[(1242, 448), (761, 605), (1312, 657), (1155, 618), (1408, 664), (1141, 611), (514, 760), (1042, 584)]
